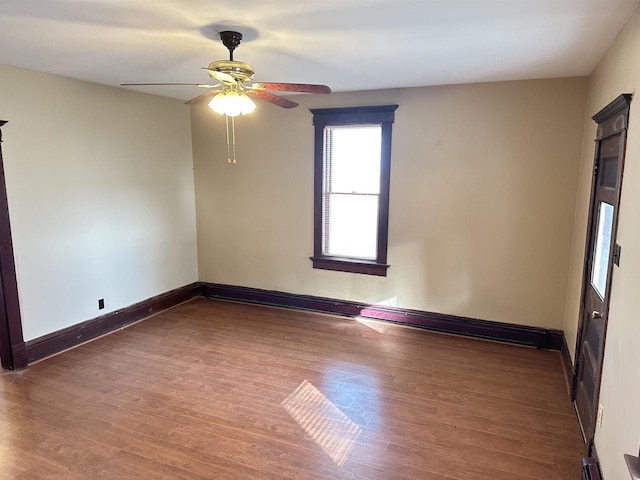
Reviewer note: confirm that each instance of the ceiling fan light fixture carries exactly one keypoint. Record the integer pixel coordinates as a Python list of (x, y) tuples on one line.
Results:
[(232, 103)]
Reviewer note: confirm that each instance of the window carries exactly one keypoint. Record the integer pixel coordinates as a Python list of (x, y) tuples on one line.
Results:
[(351, 188)]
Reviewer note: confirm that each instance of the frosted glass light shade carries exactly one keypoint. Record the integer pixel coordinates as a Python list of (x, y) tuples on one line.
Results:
[(232, 103)]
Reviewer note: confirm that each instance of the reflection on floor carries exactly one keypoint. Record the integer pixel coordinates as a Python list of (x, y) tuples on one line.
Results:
[(372, 324), (323, 421)]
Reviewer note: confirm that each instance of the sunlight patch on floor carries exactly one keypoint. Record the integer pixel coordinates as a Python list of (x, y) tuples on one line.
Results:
[(325, 423), (379, 327)]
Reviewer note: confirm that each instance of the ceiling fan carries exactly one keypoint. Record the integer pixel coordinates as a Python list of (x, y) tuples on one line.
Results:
[(230, 96)]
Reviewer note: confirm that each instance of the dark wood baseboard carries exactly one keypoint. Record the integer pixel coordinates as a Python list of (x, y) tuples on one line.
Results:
[(20, 359), (60, 340), (504, 332), (633, 465), (592, 454), (568, 367)]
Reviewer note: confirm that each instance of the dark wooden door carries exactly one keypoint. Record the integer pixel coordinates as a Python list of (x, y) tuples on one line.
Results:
[(601, 254)]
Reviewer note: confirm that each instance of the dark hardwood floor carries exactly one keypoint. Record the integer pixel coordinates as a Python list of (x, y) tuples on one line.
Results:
[(219, 390)]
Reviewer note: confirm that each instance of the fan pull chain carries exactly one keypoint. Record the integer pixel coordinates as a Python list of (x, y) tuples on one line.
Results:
[(231, 140), (226, 122), (233, 137)]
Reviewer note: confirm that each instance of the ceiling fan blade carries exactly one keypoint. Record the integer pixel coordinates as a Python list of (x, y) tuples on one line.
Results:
[(271, 98), (221, 76), (203, 97), (201, 85), (290, 87)]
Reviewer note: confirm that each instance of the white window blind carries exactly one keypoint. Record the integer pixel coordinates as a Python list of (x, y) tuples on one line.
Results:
[(351, 190)]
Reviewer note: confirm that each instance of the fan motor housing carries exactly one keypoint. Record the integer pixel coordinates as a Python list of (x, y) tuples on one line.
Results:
[(238, 70)]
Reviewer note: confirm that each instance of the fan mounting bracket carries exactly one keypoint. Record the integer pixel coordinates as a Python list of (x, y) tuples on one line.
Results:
[(230, 40)]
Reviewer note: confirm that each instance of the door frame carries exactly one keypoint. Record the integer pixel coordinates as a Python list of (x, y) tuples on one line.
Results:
[(13, 353), (608, 125)]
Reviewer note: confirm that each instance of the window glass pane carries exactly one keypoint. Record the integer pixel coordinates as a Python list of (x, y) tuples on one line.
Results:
[(600, 267), (352, 158), (351, 225)]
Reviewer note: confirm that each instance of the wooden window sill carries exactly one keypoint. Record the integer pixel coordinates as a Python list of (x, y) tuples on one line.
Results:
[(366, 267)]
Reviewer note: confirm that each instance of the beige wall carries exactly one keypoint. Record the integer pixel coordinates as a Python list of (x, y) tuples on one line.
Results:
[(100, 190), (618, 72), (483, 188)]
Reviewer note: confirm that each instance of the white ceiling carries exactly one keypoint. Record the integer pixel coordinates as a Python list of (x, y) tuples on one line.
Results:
[(346, 44)]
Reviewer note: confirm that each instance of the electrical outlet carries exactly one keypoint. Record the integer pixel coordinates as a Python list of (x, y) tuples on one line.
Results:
[(101, 304), (599, 416)]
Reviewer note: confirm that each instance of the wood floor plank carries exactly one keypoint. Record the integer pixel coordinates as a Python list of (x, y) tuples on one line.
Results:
[(223, 390)]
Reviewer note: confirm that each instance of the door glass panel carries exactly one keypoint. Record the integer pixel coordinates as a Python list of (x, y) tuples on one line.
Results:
[(603, 246)]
